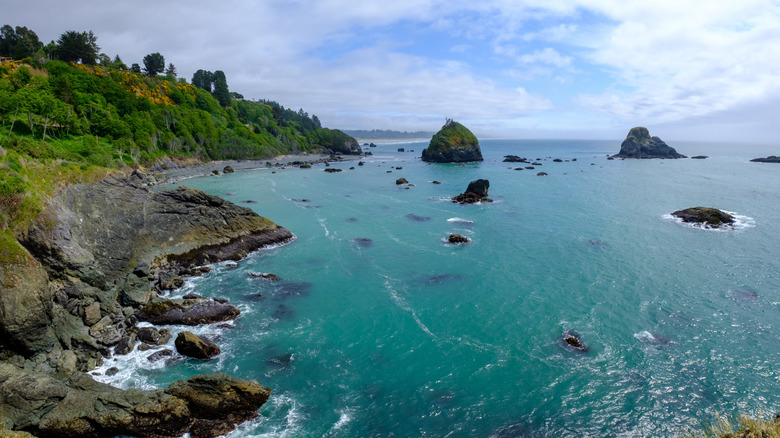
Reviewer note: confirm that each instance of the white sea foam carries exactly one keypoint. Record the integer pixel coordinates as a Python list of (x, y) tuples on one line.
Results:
[(740, 223), (345, 416), (458, 220), (324, 226)]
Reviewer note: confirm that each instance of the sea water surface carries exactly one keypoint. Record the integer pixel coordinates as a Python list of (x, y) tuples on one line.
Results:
[(380, 328)]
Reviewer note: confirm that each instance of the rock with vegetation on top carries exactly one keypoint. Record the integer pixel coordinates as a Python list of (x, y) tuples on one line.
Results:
[(454, 143), (191, 345), (336, 141), (639, 144), (705, 216)]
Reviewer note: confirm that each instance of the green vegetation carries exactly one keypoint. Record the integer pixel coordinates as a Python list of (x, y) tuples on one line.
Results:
[(743, 427), (69, 114), (452, 136)]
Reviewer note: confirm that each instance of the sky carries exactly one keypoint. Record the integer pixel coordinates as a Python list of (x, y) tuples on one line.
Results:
[(686, 69)]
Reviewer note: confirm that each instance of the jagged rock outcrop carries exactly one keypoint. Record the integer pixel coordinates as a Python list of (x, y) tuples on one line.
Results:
[(706, 216), (192, 345), (477, 191), (454, 143), (94, 256), (639, 144), (49, 405)]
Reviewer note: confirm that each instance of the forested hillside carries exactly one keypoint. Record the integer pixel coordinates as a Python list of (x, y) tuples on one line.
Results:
[(70, 113)]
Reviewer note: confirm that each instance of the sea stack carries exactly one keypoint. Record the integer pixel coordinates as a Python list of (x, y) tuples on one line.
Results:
[(639, 144), (454, 143)]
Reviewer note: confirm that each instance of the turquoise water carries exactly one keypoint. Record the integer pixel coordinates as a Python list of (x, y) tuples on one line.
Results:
[(406, 335)]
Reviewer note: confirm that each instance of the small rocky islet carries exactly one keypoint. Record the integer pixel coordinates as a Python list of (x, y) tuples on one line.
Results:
[(454, 143), (705, 216), (639, 144)]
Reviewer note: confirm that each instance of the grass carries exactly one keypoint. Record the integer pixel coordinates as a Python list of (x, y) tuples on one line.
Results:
[(742, 427)]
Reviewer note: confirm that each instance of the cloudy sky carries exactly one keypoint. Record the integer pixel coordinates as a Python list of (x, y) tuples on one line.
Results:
[(686, 69)]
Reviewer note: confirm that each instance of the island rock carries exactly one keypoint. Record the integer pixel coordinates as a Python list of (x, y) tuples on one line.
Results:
[(335, 141), (639, 144), (769, 159), (705, 216), (454, 143)]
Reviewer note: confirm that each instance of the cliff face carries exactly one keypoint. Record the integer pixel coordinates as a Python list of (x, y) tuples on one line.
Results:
[(639, 144), (454, 143), (91, 260)]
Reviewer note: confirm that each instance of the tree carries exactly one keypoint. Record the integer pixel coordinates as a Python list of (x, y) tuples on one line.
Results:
[(18, 43), (203, 80), (75, 46), (154, 63), (171, 70), (221, 92), (135, 68), (118, 64)]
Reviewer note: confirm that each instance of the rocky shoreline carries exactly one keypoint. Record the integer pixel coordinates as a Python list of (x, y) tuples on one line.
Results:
[(97, 260)]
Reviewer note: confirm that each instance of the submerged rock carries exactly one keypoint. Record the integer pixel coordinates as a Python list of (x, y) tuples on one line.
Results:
[(571, 341), (706, 216), (454, 143), (639, 144)]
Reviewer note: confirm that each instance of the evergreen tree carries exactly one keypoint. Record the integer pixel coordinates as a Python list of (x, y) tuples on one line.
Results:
[(171, 70), (75, 46), (154, 63), (203, 79), (221, 92), (135, 68)]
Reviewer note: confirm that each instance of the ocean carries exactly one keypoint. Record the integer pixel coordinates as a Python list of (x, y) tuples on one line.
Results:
[(380, 328)]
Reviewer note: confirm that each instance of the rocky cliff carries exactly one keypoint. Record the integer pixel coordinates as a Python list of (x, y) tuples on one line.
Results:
[(639, 144), (92, 260), (454, 143)]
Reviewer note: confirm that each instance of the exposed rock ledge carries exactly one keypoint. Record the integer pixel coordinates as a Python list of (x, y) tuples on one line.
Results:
[(94, 256)]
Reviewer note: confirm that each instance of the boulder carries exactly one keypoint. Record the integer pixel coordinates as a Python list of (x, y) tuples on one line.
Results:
[(477, 191), (639, 144), (699, 157), (514, 159), (162, 311), (152, 336), (705, 216), (571, 341), (228, 169), (192, 345), (454, 143), (332, 170), (457, 238), (400, 181)]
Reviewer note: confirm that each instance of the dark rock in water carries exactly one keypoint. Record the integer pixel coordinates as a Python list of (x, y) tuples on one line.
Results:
[(706, 216), (281, 361), (305, 165), (416, 218), (541, 174), (192, 345), (536, 164), (332, 170), (192, 296), (126, 345), (401, 181), (699, 157), (188, 312), (476, 191), (457, 238), (364, 242), (228, 169), (435, 182), (215, 172), (769, 159), (112, 371), (513, 431), (160, 355), (352, 219), (571, 341), (557, 160), (514, 159), (401, 150), (639, 144), (454, 143), (292, 289)]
